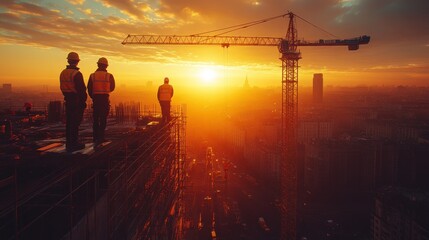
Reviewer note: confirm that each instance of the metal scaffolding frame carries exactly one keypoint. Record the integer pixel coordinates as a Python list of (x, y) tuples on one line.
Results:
[(128, 189)]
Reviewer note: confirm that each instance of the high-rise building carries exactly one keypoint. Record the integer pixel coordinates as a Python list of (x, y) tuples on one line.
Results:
[(246, 84), (317, 88), (314, 129), (7, 88), (400, 214)]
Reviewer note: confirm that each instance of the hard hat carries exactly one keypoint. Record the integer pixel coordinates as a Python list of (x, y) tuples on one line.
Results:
[(104, 61), (73, 56), (166, 80)]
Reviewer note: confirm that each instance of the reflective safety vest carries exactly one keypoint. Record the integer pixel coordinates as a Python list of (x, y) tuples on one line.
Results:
[(165, 92), (100, 82), (67, 80)]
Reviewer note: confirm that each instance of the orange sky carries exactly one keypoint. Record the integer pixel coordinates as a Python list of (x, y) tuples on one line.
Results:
[(35, 37)]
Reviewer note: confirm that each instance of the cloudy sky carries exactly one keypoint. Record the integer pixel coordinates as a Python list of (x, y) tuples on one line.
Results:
[(35, 37)]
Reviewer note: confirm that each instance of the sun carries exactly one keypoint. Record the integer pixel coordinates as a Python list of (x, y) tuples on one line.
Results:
[(208, 76)]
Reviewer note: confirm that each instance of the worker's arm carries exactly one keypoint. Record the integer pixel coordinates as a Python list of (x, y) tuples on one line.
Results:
[(172, 91), (80, 88), (90, 86), (112, 83), (158, 94)]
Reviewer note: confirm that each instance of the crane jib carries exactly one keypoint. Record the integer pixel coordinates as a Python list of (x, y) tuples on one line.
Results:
[(226, 41)]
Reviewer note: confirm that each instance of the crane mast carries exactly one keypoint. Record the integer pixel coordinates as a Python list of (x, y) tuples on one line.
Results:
[(288, 165), (289, 56)]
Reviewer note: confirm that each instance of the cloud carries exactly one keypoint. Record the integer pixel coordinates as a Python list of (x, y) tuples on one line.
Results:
[(24, 8), (76, 2), (411, 67), (134, 9), (394, 25), (51, 29), (389, 20), (87, 11)]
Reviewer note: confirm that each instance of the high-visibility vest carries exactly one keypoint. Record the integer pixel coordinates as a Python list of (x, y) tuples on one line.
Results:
[(165, 92), (100, 82), (67, 80)]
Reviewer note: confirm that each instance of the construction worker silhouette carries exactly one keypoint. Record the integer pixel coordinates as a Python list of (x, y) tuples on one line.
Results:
[(74, 90), (100, 85), (165, 93)]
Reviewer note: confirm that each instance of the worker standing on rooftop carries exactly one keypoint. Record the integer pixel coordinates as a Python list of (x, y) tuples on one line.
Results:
[(74, 90), (165, 93), (100, 85)]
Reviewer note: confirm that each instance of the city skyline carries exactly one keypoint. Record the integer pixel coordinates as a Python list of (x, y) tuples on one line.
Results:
[(35, 37)]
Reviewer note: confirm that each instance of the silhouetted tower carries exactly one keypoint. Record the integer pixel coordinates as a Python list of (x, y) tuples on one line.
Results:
[(288, 174), (317, 88), (246, 84)]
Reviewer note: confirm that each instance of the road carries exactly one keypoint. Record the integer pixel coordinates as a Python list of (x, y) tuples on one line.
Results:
[(228, 202)]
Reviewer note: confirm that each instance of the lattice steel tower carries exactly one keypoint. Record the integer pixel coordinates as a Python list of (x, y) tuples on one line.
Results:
[(288, 174)]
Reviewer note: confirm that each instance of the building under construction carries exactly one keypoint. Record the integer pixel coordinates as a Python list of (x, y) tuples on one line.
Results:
[(131, 187)]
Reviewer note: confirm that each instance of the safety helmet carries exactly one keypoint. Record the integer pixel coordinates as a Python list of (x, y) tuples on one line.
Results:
[(73, 56), (166, 80), (104, 61)]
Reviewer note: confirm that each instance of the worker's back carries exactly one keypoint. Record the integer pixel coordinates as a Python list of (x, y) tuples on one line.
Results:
[(165, 92)]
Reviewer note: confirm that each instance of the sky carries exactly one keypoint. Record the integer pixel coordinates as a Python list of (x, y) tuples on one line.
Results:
[(35, 37)]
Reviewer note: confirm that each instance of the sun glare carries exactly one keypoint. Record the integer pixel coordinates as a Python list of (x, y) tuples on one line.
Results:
[(208, 76)]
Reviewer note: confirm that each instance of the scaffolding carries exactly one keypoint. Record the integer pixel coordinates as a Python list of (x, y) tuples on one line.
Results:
[(129, 189)]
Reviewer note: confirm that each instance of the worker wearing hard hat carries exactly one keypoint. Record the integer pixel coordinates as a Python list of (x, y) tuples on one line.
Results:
[(100, 85), (74, 90), (165, 93)]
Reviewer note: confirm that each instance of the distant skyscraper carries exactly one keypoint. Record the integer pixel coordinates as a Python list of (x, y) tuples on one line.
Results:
[(246, 84), (7, 88), (318, 88)]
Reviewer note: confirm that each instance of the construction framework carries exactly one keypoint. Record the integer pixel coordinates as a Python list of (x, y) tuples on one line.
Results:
[(131, 188)]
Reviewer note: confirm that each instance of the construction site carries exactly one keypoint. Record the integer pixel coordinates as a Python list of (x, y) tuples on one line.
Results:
[(244, 154), (290, 55), (130, 187)]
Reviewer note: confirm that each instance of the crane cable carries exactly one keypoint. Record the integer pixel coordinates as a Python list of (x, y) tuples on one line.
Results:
[(253, 23), (321, 29)]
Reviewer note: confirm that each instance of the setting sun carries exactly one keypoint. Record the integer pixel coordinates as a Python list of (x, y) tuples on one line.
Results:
[(208, 76)]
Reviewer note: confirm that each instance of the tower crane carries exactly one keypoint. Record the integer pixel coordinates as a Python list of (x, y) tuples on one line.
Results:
[(289, 57)]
